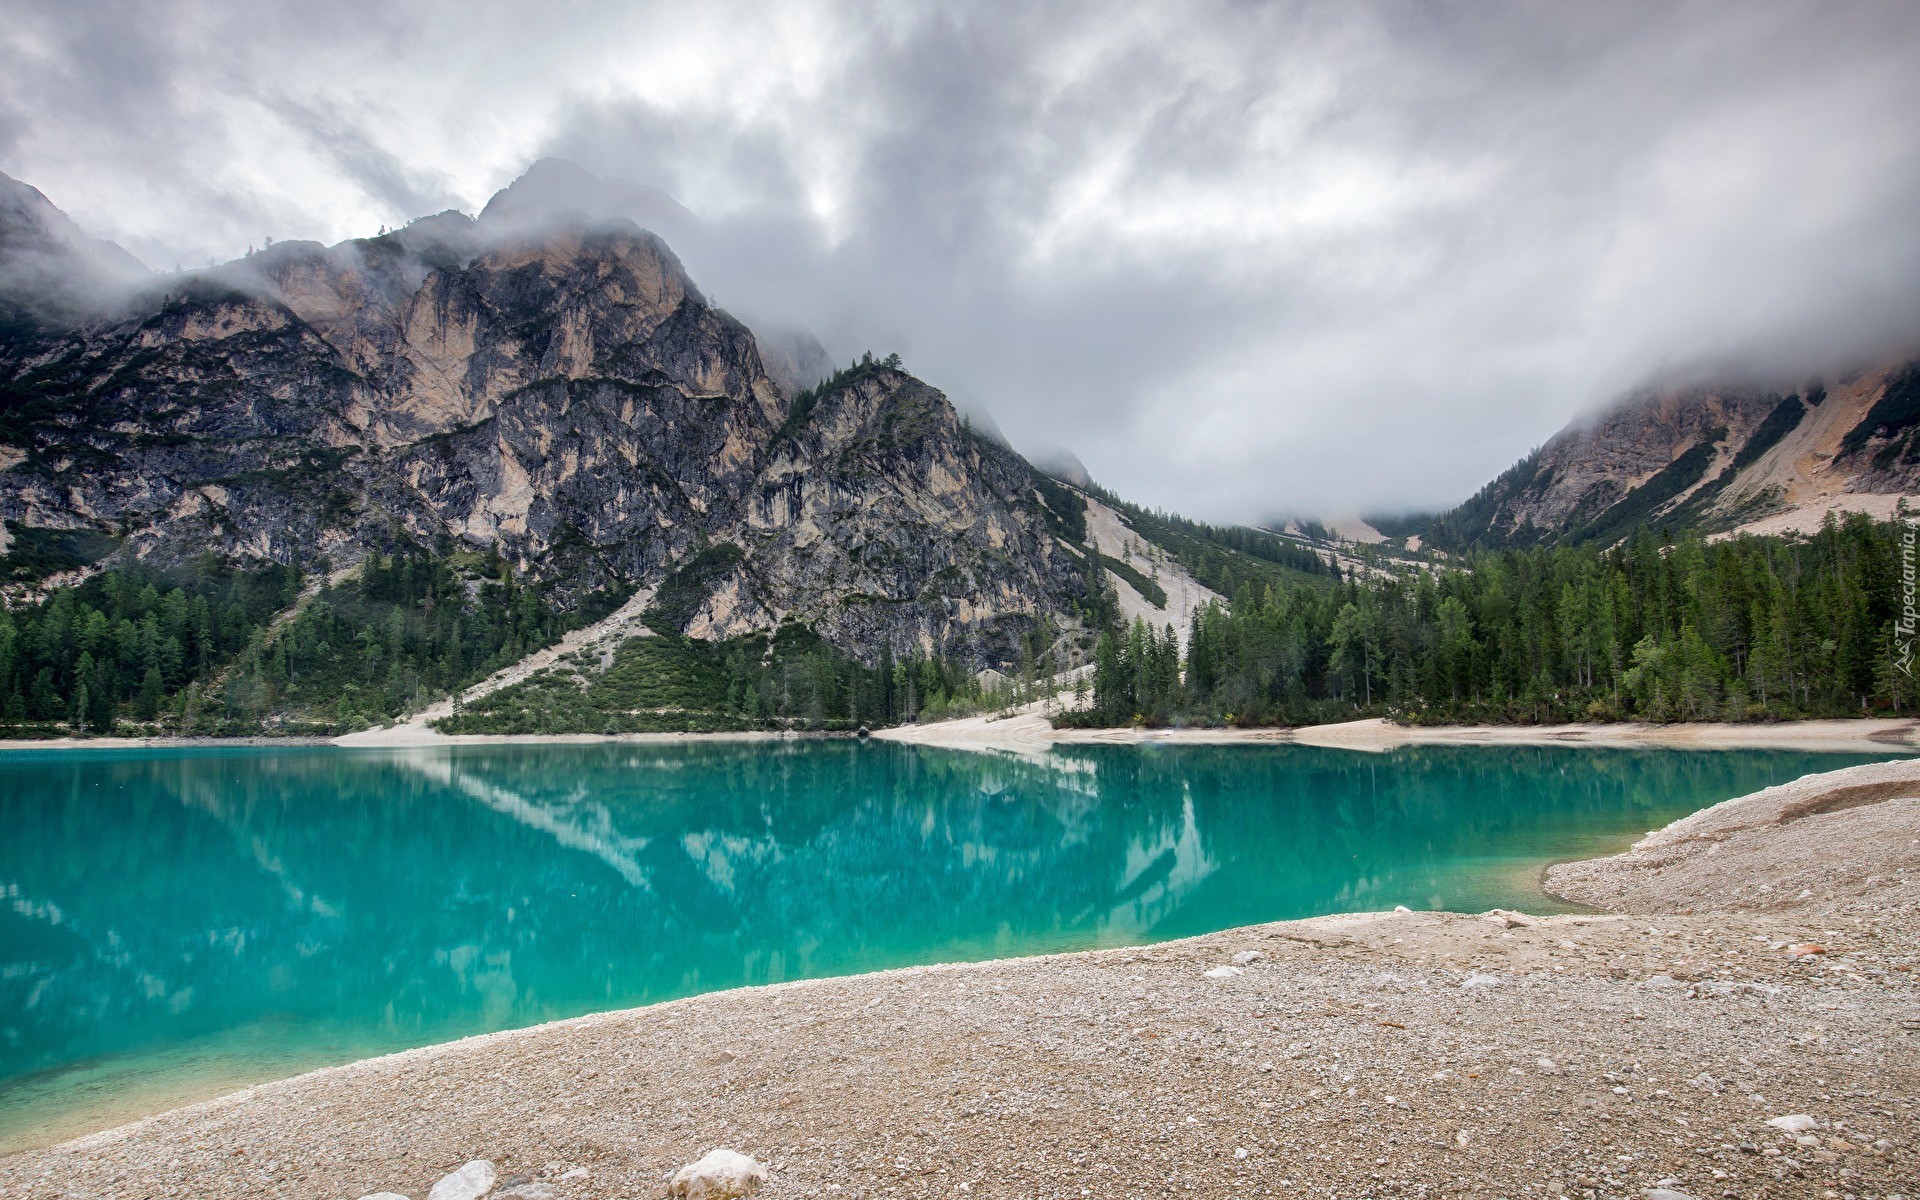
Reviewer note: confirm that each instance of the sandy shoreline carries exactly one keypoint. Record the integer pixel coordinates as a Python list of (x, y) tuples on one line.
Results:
[(1029, 732), (1364, 1054)]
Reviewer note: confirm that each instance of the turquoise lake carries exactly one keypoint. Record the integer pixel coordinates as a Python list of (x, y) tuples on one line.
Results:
[(174, 924)]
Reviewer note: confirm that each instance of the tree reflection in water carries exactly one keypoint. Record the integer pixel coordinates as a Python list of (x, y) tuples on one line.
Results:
[(379, 899)]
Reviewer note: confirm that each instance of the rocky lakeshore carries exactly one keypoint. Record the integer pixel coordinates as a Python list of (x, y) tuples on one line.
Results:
[(1375, 1054)]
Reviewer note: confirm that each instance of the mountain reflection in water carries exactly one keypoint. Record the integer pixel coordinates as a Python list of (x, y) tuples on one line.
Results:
[(368, 900)]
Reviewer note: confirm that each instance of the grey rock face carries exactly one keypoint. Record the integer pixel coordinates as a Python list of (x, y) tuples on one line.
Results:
[(1593, 464), (884, 519), (568, 395)]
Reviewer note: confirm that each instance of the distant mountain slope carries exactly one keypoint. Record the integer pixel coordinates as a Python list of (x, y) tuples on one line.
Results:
[(52, 273), (1705, 457)]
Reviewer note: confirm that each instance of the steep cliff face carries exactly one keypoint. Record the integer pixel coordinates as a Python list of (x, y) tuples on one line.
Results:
[(1717, 458), (881, 516), (564, 393)]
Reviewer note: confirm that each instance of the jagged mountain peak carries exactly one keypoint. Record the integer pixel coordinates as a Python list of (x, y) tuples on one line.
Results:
[(560, 392)]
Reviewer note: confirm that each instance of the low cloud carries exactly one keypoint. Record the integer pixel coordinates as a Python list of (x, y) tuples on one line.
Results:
[(1240, 258)]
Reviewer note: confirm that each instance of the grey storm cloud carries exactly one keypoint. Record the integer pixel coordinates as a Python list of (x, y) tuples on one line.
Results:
[(1241, 258)]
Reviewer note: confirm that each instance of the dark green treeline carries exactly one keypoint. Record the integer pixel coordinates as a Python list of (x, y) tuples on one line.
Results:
[(1655, 629), (196, 649), (130, 642)]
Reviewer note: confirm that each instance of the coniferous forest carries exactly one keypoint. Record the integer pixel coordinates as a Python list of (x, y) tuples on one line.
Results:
[(1655, 629), (222, 648), (218, 648)]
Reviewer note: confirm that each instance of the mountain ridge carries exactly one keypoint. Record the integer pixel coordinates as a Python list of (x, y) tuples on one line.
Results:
[(561, 393), (1719, 458)]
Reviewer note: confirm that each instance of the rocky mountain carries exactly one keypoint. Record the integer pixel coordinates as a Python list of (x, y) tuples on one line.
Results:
[(550, 383), (555, 190), (1710, 457)]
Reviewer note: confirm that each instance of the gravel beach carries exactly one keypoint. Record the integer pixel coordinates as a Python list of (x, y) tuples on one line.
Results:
[(1372, 1054)]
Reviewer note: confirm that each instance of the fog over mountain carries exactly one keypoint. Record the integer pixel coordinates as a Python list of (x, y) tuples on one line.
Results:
[(1239, 258)]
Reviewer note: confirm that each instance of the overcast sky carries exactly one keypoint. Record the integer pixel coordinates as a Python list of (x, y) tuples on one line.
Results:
[(1242, 258)]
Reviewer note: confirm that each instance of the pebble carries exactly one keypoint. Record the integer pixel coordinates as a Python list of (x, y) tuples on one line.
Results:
[(1794, 1123), (721, 1175), (1224, 972), (470, 1182)]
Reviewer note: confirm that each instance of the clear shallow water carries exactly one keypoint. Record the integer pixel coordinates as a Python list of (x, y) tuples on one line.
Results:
[(177, 923)]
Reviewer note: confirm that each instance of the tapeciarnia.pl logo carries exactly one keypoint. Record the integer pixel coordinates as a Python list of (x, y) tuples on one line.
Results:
[(1909, 609)]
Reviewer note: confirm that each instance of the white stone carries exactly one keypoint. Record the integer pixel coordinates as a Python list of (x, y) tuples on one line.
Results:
[(1266, 1066), (722, 1174), (1247, 956), (1224, 972), (1401, 908), (1663, 1194), (1479, 980), (576, 1173), (1548, 1066), (1794, 1123), (470, 1182), (383, 1196)]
